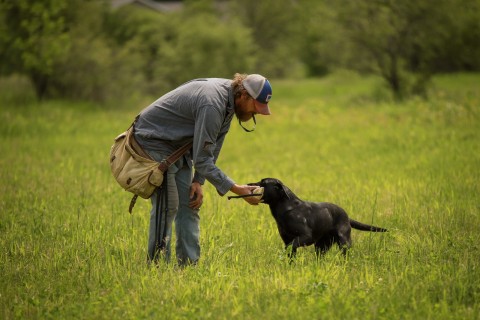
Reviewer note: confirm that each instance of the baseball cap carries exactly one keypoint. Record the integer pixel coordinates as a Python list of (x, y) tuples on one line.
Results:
[(260, 89)]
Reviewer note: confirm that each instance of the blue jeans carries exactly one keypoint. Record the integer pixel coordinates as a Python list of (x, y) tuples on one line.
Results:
[(187, 220)]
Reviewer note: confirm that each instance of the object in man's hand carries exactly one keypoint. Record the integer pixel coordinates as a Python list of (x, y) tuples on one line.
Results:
[(257, 193)]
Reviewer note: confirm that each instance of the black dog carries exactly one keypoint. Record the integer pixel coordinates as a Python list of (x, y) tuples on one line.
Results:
[(303, 223)]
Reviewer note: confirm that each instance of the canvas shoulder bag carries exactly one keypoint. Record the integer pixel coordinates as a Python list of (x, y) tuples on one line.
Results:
[(134, 170)]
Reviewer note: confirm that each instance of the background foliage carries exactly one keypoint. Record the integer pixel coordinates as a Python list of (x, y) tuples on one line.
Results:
[(70, 250), (73, 74), (88, 50)]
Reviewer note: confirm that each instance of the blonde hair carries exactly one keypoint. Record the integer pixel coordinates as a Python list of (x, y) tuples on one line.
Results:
[(237, 84)]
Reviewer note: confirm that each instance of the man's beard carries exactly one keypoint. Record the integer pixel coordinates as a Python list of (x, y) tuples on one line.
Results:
[(243, 116)]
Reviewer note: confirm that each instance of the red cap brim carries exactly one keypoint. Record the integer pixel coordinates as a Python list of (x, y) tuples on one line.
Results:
[(262, 108)]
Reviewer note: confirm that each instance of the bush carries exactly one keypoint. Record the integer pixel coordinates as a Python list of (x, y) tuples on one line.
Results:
[(204, 46), (94, 71), (176, 47)]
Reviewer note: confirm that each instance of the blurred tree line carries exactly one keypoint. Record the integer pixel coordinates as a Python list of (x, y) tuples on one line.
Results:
[(80, 49)]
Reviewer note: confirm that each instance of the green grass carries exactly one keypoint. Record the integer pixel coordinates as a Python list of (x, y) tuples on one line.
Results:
[(71, 250)]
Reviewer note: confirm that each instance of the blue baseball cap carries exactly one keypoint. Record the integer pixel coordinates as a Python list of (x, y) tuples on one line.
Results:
[(260, 89)]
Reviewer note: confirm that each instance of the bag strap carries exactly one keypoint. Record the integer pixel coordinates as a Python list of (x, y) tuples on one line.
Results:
[(174, 156)]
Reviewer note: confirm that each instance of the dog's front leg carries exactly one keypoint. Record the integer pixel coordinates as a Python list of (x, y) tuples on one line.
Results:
[(300, 241)]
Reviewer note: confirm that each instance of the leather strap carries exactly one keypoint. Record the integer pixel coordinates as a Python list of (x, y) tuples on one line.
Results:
[(174, 156), (132, 203)]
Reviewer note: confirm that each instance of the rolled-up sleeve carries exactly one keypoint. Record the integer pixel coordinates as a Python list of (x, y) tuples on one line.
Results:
[(207, 142)]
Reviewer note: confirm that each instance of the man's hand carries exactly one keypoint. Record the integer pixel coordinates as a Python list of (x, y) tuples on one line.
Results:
[(245, 189), (196, 196)]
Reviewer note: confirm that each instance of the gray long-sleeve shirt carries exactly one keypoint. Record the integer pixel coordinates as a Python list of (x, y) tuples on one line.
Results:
[(201, 109)]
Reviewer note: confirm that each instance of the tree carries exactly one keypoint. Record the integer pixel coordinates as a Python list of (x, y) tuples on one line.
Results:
[(176, 47), (95, 68), (62, 47), (383, 31), (205, 46), (401, 40), (460, 45), (275, 27), (34, 38), (323, 45)]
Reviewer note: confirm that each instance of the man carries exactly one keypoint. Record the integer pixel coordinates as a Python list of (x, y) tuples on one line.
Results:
[(201, 110)]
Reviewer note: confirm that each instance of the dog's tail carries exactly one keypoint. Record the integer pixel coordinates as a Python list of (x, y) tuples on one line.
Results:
[(365, 227)]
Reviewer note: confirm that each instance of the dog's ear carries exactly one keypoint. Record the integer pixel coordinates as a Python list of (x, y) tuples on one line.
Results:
[(286, 191), (283, 189)]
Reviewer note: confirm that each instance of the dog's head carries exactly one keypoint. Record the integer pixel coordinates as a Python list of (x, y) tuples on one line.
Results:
[(274, 190)]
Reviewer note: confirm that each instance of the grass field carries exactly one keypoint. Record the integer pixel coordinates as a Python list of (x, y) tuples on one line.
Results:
[(70, 250)]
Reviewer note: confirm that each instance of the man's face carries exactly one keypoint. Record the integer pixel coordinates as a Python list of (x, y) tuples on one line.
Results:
[(245, 107)]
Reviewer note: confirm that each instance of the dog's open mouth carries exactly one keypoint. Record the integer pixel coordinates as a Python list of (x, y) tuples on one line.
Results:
[(257, 193)]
